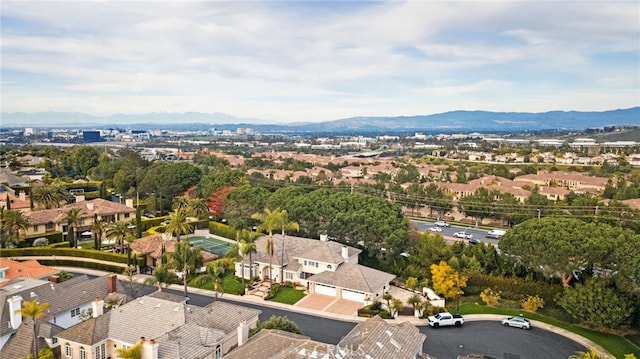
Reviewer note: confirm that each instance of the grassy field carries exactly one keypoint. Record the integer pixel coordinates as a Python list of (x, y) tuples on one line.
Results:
[(232, 285), (615, 344)]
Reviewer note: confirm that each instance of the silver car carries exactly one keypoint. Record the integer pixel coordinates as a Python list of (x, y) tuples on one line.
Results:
[(516, 322)]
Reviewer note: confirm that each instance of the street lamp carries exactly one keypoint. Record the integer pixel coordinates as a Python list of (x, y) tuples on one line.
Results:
[(538, 213)]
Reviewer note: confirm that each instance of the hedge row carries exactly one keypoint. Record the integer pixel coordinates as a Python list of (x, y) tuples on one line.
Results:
[(221, 229), (69, 252), (80, 264), (53, 237), (512, 288)]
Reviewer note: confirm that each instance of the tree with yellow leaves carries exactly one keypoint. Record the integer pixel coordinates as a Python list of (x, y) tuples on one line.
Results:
[(447, 281)]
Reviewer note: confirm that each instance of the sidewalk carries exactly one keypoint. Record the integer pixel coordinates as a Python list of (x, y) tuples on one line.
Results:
[(140, 278)]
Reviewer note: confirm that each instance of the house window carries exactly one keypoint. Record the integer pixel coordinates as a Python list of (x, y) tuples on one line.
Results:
[(50, 226), (54, 340), (67, 350), (75, 312), (288, 276), (126, 215), (101, 351), (36, 228), (83, 353), (218, 352), (311, 263)]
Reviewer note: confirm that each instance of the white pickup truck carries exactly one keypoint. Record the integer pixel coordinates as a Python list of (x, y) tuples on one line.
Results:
[(445, 319)]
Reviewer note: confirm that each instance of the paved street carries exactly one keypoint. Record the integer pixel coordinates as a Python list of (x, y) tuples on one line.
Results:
[(448, 232)]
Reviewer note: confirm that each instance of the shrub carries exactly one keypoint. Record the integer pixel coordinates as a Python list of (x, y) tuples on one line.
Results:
[(64, 244), (411, 283), (490, 297), (532, 303)]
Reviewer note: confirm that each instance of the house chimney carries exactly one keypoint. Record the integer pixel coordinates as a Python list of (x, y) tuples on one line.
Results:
[(345, 252), (129, 202), (111, 283), (90, 206), (54, 279), (22, 196), (324, 237), (15, 317), (150, 349), (80, 198), (98, 307), (243, 333)]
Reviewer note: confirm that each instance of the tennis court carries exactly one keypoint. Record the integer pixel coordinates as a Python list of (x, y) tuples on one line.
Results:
[(211, 245)]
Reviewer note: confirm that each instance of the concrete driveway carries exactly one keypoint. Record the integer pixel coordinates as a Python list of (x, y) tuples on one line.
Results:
[(328, 304)]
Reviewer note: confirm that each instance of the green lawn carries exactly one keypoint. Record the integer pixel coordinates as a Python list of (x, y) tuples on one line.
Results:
[(232, 285), (616, 345), (288, 295)]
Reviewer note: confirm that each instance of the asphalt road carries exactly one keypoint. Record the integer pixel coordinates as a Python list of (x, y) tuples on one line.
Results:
[(449, 231), (484, 337)]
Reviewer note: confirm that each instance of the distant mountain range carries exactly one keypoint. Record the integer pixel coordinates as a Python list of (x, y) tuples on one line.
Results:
[(448, 122)]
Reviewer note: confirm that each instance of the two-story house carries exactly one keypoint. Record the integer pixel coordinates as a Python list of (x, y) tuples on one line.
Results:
[(55, 219), (323, 266)]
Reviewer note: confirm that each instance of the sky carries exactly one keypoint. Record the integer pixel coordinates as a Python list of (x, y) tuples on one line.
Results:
[(309, 61)]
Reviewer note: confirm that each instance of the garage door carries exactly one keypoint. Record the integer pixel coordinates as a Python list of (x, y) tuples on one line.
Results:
[(325, 289), (353, 295)]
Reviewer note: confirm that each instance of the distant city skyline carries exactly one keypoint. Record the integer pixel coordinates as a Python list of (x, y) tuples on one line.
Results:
[(311, 61)]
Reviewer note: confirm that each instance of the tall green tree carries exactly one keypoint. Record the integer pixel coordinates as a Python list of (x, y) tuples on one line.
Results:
[(478, 205), (178, 224), (119, 231), (597, 303), (13, 222), (285, 225), (557, 245), (269, 221), (74, 216), (162, 276), (98, 228), (34, 311), (185, 258)]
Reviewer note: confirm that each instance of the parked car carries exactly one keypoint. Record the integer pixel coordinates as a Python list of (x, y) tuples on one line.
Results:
[(516, 322), (435, 229), (441, 224), (496, 233), (474, 241), (444, 319), (463, 235)]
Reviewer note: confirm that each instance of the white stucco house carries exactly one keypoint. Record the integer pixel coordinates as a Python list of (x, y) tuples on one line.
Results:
[(322, 266)]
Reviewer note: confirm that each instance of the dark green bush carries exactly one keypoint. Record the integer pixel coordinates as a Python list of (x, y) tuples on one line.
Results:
[(221, 229), (69, 252), (511, 288), (89, 265)]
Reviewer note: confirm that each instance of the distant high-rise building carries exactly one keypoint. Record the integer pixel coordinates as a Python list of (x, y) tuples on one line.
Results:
[(28, 131), (91, 136)]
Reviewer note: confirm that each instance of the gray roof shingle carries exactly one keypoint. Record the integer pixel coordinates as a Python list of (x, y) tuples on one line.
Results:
[(354, 276)]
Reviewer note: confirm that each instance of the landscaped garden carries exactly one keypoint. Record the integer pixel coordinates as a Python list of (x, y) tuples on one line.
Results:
[(286, 293)]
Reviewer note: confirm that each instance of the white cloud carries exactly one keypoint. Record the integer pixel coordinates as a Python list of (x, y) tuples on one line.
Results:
[(316, 60)]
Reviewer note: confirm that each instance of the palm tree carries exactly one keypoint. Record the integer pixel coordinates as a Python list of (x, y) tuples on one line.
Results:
[(181, 203), (119, 231), (178, 224), (214, 274), (13, 222), (50, 196), (285, 225), (34, 311), (73, 219), (98, 228), (198, 208), (269, 222), (591, 354), (134, 352), (184, 257), (161, 275), (248, 247)]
